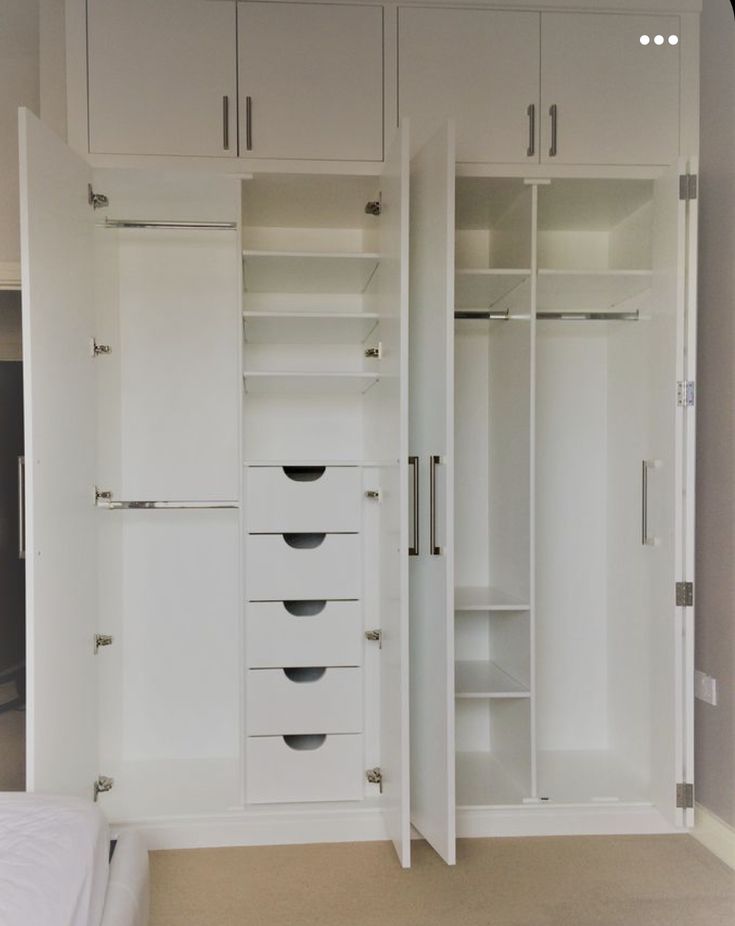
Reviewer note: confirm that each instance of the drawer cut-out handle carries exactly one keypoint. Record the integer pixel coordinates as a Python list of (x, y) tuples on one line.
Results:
[(305, 608), (305, 673), (305, 742), (304, 541), (304, 473)]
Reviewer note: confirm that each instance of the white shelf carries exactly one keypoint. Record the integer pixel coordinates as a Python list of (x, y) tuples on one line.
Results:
[(263, 382), (481, 289), (308, 327), (478, 679), (307, 271), (483, 782), (587, 776), (486, 599), (588, 290)]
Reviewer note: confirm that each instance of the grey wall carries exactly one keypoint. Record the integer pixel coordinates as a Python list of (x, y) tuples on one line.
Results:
[(715, 577)]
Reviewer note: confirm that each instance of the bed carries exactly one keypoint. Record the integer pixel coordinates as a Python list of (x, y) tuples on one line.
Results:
[(59, 865)]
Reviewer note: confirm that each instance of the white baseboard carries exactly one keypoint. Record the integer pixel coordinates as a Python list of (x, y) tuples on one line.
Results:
[(714, 834)]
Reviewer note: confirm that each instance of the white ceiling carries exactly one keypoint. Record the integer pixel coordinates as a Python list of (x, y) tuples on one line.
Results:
[(18, 27)]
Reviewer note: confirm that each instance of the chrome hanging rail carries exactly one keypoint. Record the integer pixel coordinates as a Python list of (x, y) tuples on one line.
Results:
[(122, 505), (589, 316), (166, 223)]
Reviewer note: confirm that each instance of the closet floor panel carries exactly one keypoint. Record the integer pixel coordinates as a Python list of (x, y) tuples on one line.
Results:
[(588, 776)]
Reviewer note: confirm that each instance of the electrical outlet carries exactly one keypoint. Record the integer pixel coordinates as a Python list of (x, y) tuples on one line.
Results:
[(705, 688)]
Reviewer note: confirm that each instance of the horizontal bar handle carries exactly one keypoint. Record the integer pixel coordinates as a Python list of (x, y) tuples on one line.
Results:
[(589, 316), (120, 505), (168, 223)]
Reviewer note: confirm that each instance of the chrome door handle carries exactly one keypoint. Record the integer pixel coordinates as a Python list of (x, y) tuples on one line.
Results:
[(249, 123), (413, 550), (434, 548), (21, 507), (648, 540), (553, 112), (531, 113), (226, 123)]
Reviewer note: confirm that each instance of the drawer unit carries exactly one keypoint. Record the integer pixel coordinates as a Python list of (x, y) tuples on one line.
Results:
[(304, 700), (304, 633), (281, 567), (303, 498), (304, 768)]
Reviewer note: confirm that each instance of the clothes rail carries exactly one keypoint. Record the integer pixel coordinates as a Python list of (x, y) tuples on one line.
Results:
[(164, 223), (122, 505), (589, 316)]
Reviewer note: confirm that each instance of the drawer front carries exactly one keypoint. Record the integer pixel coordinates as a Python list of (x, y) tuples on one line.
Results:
[(304, 700), (304, 633), (303, 498), (282, 567), (307, 768)]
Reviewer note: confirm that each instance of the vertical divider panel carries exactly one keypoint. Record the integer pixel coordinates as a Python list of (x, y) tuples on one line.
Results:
[(532, 490)]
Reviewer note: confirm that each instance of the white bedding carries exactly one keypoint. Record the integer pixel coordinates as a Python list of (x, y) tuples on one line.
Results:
[(54, 864)]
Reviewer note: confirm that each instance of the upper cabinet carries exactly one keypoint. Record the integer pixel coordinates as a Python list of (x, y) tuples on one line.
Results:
[(311, 81), (609, 88), (162, 77), (478, 67)]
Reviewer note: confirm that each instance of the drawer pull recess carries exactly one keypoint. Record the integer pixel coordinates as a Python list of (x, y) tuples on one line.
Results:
[(303, 742), (304, 541), (304, 473), (305, 673), (305, 608)]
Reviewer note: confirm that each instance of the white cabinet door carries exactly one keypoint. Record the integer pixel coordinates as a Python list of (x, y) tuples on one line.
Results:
[(60, 424), (478, 67), (311, 81), (431, 443), (162, 77), (617, 101)]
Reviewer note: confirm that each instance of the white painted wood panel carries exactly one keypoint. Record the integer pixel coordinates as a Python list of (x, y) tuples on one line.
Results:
[(158, 73), (329, 567), (304, 700), (324, 97), (60, 450), (478, 67)]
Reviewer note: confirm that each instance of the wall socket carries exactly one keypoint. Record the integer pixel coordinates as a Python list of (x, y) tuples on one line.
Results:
[(705, 688)]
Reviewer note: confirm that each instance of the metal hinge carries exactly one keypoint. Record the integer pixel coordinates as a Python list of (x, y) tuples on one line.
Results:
[(375, 206), (375, 777), (684, 594), (687, 186), (376, 351), (98, 349), (102, 495), (685, 392), (685, 795), (102, 785), (373, 494), (375, 636), (96, 200), (101, 639)]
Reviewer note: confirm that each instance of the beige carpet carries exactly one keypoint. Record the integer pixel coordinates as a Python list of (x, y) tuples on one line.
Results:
[(12, 751), (581, 881)]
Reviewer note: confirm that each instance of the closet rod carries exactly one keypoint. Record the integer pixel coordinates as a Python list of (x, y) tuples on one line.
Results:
[(152, 505), (589, 316), (482, 314), (164, 223)]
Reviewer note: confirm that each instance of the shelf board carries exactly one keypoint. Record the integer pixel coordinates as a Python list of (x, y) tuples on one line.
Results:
[(588, 290), (264, 382), (478, 598), (308, 327), (482, 781), (478, 679), (481, 289), (307, 271)]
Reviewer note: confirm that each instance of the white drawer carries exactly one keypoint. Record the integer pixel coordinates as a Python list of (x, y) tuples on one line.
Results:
[(304, 633), (303, 498), (281, 567), (304, 700), (304, 768)]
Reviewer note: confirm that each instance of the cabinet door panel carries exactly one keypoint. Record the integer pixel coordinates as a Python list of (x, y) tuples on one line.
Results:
[(324, 97), (477, 67), (617, 100), (158, 76)]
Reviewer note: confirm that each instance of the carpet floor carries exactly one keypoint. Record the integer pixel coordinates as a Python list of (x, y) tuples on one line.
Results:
[(570, 881)]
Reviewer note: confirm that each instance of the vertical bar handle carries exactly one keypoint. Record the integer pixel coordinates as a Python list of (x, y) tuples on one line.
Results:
[(226, 123), (21, 507), (249, 123), (413, 550), (434, 548), (553, 112), (647, 540), (531, 113)]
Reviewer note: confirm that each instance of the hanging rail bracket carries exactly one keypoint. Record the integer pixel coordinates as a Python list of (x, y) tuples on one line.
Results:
[(96, 200)]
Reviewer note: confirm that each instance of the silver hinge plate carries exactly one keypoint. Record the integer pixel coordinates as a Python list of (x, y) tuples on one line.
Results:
[(685, 393), (687, 186), (98, 349), (96, 200), (375, 777), (375, 636), (102, 495), (374, 206), (375, 352), (684, 594), (101, 639), (685, 795), (102, 785), (373, 494)]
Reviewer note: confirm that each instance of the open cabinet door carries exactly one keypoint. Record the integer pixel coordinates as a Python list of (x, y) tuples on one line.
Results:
[(431, 438), (60, 423), (669, 481)]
